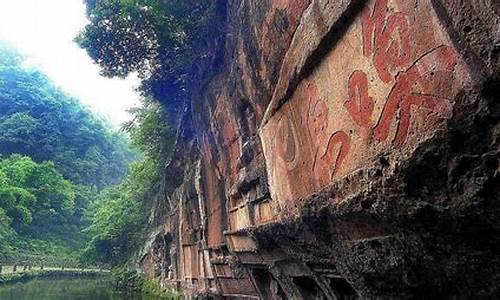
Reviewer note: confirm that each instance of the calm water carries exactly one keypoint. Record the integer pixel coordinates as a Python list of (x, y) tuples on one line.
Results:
[(66, 289)]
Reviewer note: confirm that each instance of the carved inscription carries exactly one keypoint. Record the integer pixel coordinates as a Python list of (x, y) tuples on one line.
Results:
[(403, 95), (359, 105), (386, 38), (329, 159), (386, 85), (287, 146)]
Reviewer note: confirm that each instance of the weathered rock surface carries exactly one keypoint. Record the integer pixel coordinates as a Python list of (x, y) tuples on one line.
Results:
[(343, 149)]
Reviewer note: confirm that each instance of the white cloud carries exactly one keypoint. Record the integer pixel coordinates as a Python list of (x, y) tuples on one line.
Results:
[(43, 30)]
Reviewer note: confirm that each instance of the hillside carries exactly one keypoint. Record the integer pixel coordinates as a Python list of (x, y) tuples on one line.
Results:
[(55, 158)]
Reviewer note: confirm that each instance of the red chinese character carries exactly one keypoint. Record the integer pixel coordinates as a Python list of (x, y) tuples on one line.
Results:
[(387, 37), (327, 161), (360, 104), (330, 161), (287, 147), (402, 97)]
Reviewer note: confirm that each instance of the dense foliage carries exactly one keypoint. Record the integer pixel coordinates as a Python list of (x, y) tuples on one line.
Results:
[(40, 121), (120, 216), (34, 194), (35, 201), (61, 169), (162, 41), (55, 158)]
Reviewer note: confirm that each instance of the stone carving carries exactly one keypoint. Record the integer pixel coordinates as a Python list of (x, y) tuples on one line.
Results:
[(384, 86), (366, 113), (387, 38), (287, 147), (326, 159), (359, 105), (403, 97)]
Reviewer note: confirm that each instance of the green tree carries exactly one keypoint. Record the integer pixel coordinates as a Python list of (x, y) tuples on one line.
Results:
[(119, 217), (17, 132), (165, 42), (7, 236), (115, 226), (34, 195), (55, 158), (151, 131), (144, 36), (39, 120)]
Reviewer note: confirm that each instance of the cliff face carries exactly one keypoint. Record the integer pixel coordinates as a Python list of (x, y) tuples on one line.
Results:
[(344, 148)]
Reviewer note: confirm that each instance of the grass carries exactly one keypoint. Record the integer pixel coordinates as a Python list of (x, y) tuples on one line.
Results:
[(153, 287)]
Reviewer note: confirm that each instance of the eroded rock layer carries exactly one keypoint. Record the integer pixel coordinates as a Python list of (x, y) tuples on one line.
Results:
[(343, 149)]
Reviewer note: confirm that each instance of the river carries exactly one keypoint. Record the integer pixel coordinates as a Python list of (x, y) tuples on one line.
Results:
[(66, 289)]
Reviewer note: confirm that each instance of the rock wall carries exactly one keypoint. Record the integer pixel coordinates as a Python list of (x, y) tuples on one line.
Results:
[(344, 149)]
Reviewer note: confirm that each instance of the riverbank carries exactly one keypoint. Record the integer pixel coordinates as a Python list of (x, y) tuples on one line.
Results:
[(11, 278), (99, 288)]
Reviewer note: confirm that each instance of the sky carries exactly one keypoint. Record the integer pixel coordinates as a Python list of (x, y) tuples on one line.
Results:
[(43, 31)]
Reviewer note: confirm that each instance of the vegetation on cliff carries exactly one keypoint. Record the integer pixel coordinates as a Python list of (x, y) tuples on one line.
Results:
[(119, 219), (67, 183), (162, 42)]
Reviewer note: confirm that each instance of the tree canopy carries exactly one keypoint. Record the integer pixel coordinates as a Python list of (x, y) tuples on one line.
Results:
[(33, 195), (160, 40)]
